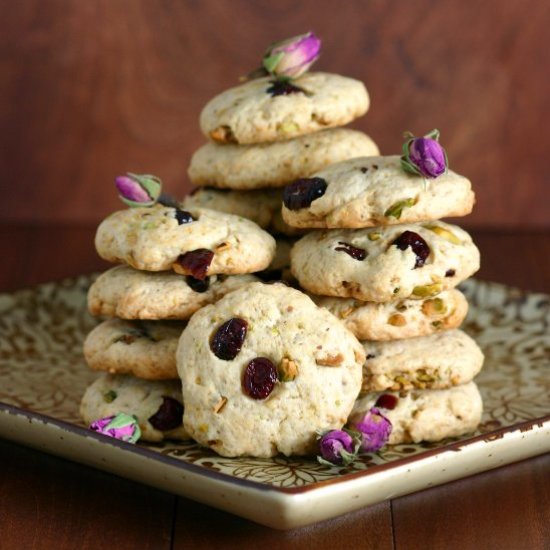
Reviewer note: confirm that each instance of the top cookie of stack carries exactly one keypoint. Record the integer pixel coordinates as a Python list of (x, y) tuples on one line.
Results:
[(271, 130)]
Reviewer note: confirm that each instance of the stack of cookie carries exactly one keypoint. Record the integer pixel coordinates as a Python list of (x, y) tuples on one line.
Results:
[(387, 267), (265, 134), (175, 262)]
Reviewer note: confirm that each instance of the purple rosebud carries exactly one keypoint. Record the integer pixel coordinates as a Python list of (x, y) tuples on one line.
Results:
[(375, 429), (336, 446), (138, 190), (121, 426), (292, 57), (424, 156)]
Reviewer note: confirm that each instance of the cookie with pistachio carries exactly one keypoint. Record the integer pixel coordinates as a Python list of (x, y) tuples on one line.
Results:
[(198, 242), (157, 405), (437, 361), (264, 369), (265, 110), (395, 320), (276, 164), (385, 264), (425, 415), (373, 191), (146, 349), (127, 293)]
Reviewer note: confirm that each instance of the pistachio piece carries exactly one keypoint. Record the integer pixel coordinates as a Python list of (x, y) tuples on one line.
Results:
[(433, 307), (288, 370), (223, 134), (425, 377), (109, 396), (330, 360), (223, 246), (423, 291), (397, 320), (288, 127), (444, 233), (396, 209), (374, 236)]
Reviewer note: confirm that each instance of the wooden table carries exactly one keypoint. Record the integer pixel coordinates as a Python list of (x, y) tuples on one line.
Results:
[(47, 502)]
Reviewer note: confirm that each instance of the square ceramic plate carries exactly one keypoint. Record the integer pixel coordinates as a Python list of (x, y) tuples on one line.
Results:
[(43, 375)]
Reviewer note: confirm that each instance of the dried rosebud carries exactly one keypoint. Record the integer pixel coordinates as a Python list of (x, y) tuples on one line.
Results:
[(122, 426), (292, 57), (338, 447), (375, 429), (424, 156), (138, 190)]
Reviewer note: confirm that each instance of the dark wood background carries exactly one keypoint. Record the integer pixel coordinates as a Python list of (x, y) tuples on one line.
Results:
[(90, 89)]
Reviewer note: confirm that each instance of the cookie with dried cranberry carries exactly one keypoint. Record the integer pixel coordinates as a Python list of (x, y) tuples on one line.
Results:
[(263, 369), (373, 191), (425, 415), (263, 110), (262, 206), (396, 320), (437, 361), (198, 242), (146, 349), (157, 405), (385, 264), (276, 164), (127, 293)]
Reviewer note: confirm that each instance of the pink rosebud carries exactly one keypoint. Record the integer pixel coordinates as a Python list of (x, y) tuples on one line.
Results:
[(375, 429), (424, 156), (122, 426), (292, 57), (138, 190), (337, 447)]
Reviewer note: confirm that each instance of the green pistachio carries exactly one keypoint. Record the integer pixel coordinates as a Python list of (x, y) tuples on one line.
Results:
[(374, 236), (395, 210), (425, 291), (444, 233), (109, 396), (435, 306)]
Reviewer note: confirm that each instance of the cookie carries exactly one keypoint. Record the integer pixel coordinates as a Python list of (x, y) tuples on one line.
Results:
[(146, 349), (276, 164), (262, 206), (127, 293), (426, 415), (385, 264), (198, 242), (157, 405), (396, 320), (255, 112), (437, 361), (373, 191), (263, 369)]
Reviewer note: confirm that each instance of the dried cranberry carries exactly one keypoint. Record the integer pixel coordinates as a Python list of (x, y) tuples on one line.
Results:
[(196, 262), (303, 192), (183, 217), (418, 245), (282, 87), (227, 341), (196, 284), (450, 273), (386, 401), (259, 378), (356, 253), (168, 416)]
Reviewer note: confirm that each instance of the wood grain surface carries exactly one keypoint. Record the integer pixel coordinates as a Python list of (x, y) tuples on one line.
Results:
[(46, 502), (91, 89)]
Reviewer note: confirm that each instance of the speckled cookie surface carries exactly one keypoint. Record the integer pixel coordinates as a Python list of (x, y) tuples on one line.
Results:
[(318, 357), (428, 415), (152, 239), (276, 164), (396, 320), (372, 191), (437, 361), (146, 349), (262, 206), (250, 114), (111, 394), (322, 263), (127, 293)]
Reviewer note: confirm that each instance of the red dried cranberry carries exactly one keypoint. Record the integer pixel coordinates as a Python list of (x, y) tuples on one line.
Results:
[(386, 401), (259, 378), (303, 192), (282, 87), (169, 415), (450, 273), (356, 253), (196, 262), (418, 245), (227, 341), (196, 284), (183, 217)]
